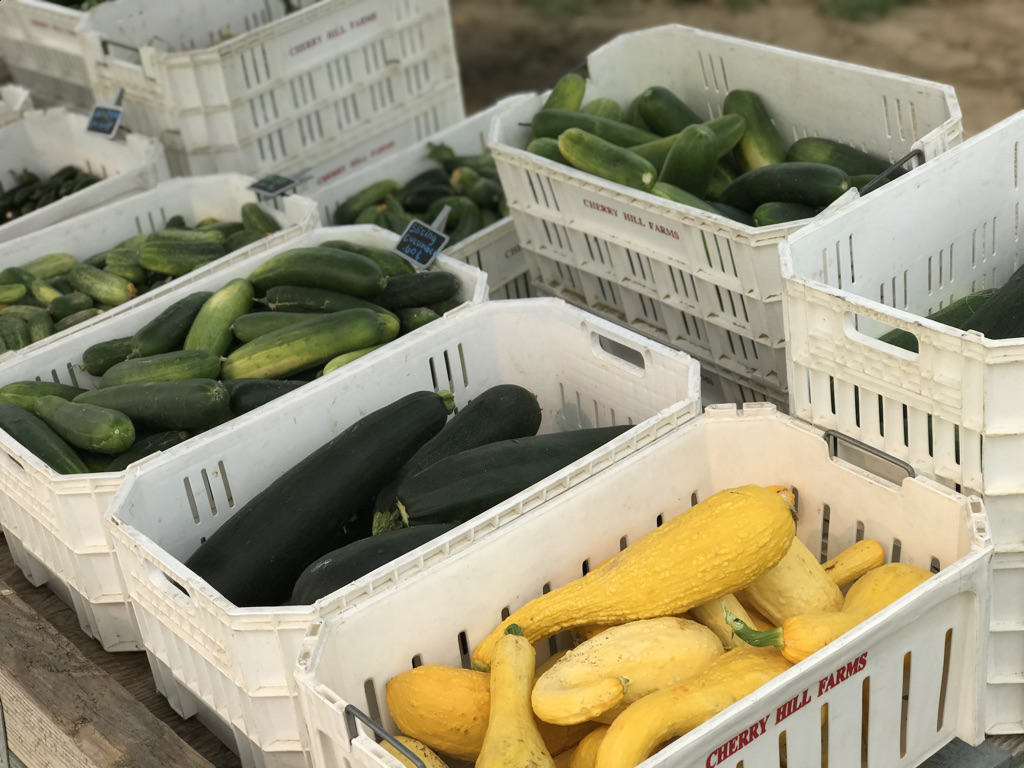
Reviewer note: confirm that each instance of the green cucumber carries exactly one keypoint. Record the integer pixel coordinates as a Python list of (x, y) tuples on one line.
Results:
[(255, 324), (466, 222), (211, 329), (248, 394), (389, 261), (328, 268), (482, 163), (729, 129), (812, 184), (34, 433), (721, 177), (297, 298), (12, 292), (68, 304), (691, 161), (418, 200), (481, 190), (167, 331), (374, 194), (633, 116), (761, 143), (98, 358), (567, 93), (546, 147), (242, 239), (767, 214), (229, 228), (178, 258), (677, 195), (655, 151), (14, 332), (1001, 315), (89, 427), (593, 154), (255, 218), (50, 265), (166, 366), (664, 112), (25, 393), (281, 353), (344, 359), (743, 217), (854, 162), (77, 318), (133, 273), (956, 314), (39, 326), (176, 222), (147, 446), (418, 290), (43, 292), (192, 404), (104, 287), (185, 236), (554, 122), (411, 318), (605, 107), (14, 275)]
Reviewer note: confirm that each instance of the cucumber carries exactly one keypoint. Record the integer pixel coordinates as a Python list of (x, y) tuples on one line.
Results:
[(465, 223), (248, 394), (812, 184), (146, 446), (296, 298), (89, 427), (50, 265), (98, 358), (328, 268), (664, 112), (956, 314), (43, 292), (633, 116), (419, 200), (167, 331), (15, 275), (14, 332), (389, 261), (76, 318), (176, 258), (501, 412), (655, 151), (176, 222), (734, 213), (255, 218), (445, 155), (62, 284), (68, 304), (554, 122), (692, 159), (481, 190), (34, 433), (418, 289), (547, 147), (313, 342), (721, 177), (25, 393), (767, 214), (229, 228), (567, 93), (411, 318), (342, 566), (462, 486), (729, 129), (192, 404), (374, 194), (1002, 314), (761, 144), (39, 326), (428, 178), (593, 154), (104, 287), (185, 236), (863, 179), (854, 162), (677, 195), (242, 239), (257, 555), (166, 366), (344, 359), (12, 292), (211, 329), (605, 107), (133, 273), (255, 324)]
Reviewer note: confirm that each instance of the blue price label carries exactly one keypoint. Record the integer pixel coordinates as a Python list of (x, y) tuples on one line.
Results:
[(420, 244), (105, 121), (273, 185)]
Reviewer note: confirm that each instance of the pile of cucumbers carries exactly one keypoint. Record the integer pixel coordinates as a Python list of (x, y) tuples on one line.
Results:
[(30, 192), (407, 460), (211, 356), (736, 165), (57, 291), (467, 183)]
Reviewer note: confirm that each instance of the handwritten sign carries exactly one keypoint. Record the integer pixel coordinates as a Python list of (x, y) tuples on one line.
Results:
[(421, 243), (274, 185), (105, 121)]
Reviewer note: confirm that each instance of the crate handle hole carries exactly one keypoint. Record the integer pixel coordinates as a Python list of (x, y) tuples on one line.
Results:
[(166, 584), (619, 351), (870, 331)]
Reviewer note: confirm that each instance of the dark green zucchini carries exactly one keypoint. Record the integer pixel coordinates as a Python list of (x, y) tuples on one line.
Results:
[(956, 313), (329, 268), (146, 446), (318, 505), (1002, 315), (167, 331), (418, 290), (34, 433), (503, 412), (353, 561), (298, 298), (812, 184), (248, 394), (462, 486)]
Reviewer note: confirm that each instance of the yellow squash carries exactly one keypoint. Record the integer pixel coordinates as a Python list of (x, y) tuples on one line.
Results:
[(800, 636), (796, 584), (418, 748), (447, 708), (646, 724), (512, 739), (714, 548), (585, 754), (600, 678), (711, 615), (854, 561)]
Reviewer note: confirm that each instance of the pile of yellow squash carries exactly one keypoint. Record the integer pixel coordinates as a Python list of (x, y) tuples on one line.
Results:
[(659, 650)]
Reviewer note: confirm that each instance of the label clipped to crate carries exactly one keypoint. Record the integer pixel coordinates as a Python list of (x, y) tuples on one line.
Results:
[(420, 243), (274, 185), (105, 121)]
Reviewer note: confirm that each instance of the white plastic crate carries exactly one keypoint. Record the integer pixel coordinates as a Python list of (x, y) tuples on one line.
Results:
[(494, 249), (234, 666), (646, 243), (921, 655), (53, 522), (955, 409), (44, 141), (285, 90), (194, 199), (13, 101)]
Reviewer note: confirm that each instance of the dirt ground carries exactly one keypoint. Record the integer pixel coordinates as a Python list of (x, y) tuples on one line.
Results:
[(977, 46)]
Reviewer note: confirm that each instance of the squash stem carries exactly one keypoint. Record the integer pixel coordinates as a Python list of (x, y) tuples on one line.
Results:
[(448, 399), (385, 522), (771, 638)]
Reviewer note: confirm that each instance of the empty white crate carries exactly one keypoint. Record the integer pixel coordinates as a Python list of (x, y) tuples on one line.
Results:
[(655, 248), (954, 409), (13, 101), (53, 522), (494, 249), (293, 88), (195, 199), (234, 666), (920, 656), (44, 141)]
